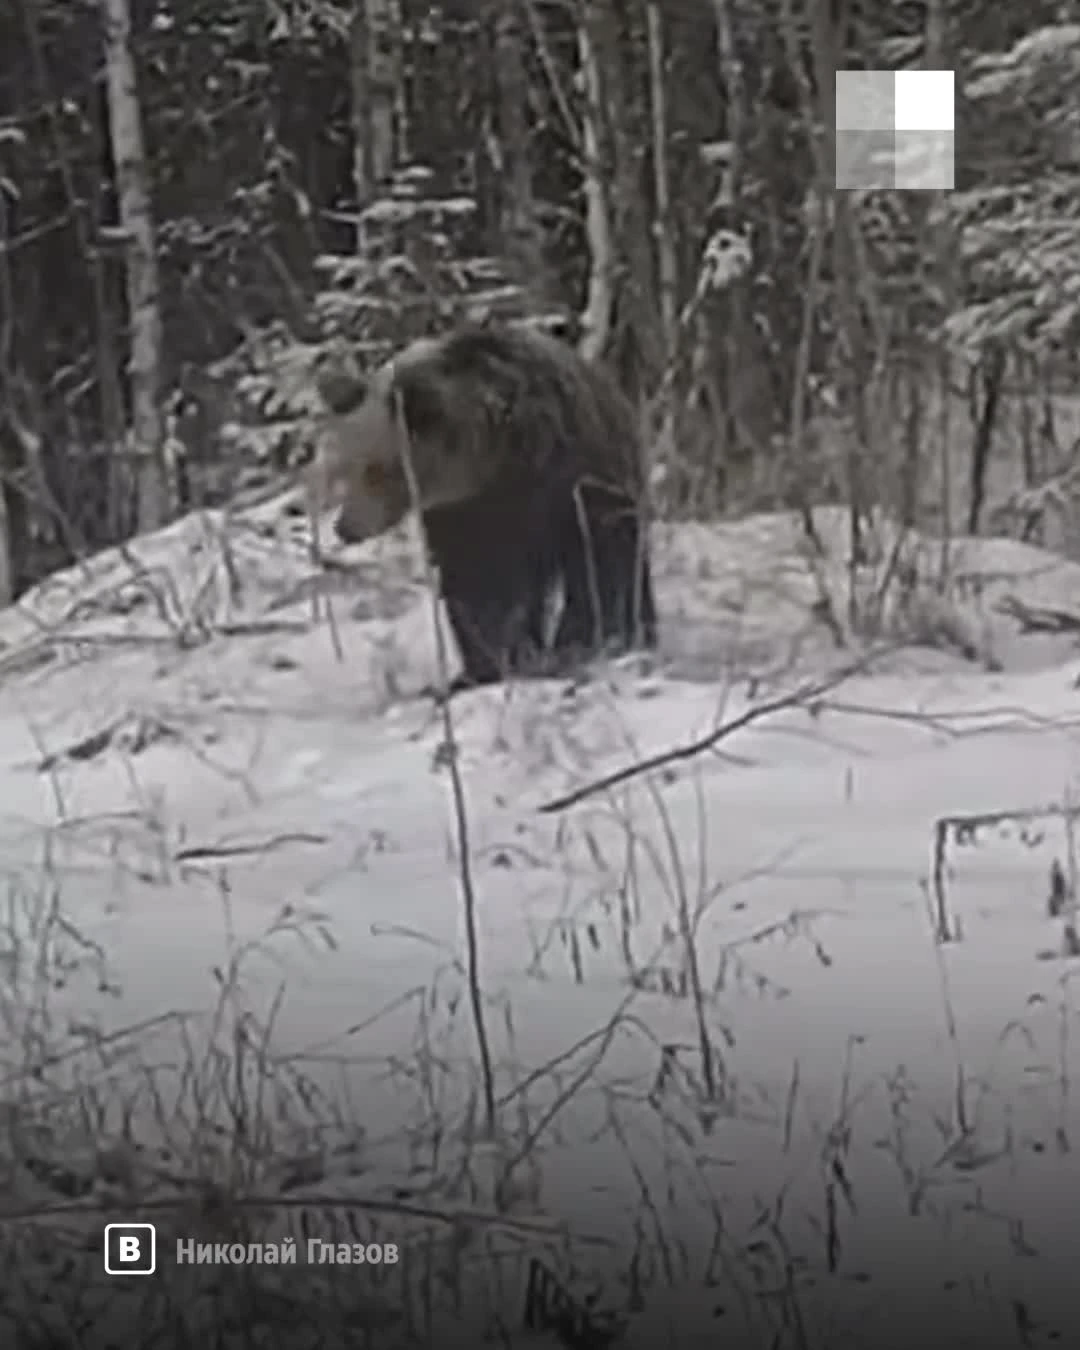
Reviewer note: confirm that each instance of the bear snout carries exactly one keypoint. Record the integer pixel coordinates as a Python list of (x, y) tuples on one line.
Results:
[(349, 530), (342, 529), (363, 516)]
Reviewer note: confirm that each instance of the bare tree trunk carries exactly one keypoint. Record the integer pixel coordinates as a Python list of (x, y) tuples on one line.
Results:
[(8, 463), (19, 460), (666, 261), (358, 112), (667, 264), (913, 392), (852, 363), (87, 235), (1027, 376), (748, 418), (600, 301), (991, 378), (823, 190), (111, 392), (136, 220), (520, 228), (935, 57), (374, 76), (7, 550), (634, 347), (382, 27)]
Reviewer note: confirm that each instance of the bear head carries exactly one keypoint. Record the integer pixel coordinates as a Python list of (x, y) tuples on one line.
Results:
[(359, 471), (412, 414)]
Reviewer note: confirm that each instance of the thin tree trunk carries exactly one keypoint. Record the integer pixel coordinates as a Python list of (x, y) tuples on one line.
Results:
[(992, 376), (382, 25), (9, 562), (851, 358), (744, 422), (634, 347), (667, 265), (519, 219), (666, 262), (600, 300), (935, 59), (7, 550), (375, 76), (913, 392), (361, 147), (136, 220)]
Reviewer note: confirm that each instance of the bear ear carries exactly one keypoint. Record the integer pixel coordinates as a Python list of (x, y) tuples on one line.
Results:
[(341, 390), (421, 400)]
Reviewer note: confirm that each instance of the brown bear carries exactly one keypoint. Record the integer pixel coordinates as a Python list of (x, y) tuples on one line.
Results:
[(528, 474)]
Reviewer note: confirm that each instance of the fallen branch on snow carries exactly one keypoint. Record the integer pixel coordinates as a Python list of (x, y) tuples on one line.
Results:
[(1039, 618), (805, 695)]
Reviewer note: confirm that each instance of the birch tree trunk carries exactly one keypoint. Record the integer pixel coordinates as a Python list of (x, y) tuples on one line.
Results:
[(600, 299), (137, 224), (750, 412)]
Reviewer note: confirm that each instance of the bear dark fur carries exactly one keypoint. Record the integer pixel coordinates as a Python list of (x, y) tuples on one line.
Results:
[(528, 472)]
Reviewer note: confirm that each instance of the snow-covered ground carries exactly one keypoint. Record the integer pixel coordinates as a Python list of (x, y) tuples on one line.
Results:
[(201, 787)]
